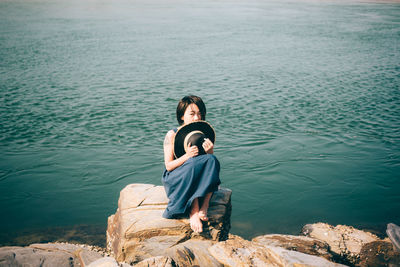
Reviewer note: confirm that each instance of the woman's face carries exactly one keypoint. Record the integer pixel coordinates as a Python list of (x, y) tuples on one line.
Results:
[(192, 113)]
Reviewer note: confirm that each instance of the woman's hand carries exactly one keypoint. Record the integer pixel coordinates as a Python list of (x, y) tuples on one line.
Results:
[(208, 146), (192, 151)]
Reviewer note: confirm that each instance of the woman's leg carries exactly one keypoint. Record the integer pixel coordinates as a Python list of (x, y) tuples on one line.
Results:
[(195, 222), (204, 207)]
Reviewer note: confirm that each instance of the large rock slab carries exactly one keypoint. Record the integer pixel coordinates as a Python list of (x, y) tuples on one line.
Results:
[(301, 244), (48, 255), (138, 231), (240, 252)]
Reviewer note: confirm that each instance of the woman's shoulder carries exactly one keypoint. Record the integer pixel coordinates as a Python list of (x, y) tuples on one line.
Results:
[(170, 134), (172, 131), (169, 137)]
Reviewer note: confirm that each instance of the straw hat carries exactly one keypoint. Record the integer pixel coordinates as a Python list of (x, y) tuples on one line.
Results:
[(194, 134)]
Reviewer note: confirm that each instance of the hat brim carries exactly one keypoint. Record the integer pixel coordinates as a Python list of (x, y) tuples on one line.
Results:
[(203, 126)]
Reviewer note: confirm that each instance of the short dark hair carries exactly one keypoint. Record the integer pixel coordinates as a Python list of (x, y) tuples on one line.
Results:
[(187, 101)]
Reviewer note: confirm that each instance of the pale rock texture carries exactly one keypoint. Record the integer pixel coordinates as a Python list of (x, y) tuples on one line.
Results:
[(51, 254), (301, 244), (345, 241), (137, 230), (296, 259), (104, 262), (85, 256), (158, 261), (240, 252)]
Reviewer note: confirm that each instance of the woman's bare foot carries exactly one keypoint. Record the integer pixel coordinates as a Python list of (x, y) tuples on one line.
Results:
[(204, 207), (203, 215), (195, 223)]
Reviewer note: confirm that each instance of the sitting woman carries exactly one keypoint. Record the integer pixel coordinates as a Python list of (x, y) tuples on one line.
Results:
[(190, 179)]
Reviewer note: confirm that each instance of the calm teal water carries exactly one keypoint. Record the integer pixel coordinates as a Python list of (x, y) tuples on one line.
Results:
[(304, 97)]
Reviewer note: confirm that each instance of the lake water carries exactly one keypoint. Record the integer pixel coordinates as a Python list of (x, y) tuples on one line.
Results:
[(304, 97)]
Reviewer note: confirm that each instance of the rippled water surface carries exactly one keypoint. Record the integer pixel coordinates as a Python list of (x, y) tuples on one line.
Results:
[(304, 97)]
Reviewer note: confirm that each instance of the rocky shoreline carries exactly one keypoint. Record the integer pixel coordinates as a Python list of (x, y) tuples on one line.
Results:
[(137, 235)]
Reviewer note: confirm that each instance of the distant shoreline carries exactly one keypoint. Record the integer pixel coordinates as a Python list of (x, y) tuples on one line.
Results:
[(354, 1), (381, 1)]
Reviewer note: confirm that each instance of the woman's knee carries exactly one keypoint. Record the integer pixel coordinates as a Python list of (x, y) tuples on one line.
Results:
[(211, 157)]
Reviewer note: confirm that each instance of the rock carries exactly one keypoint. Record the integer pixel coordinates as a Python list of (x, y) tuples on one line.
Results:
[(159, 261), (301, 244), (51, 254), (240, 252), (104, 262), (393, 232), (379, 253), (344, 241), (85, 256), (295, 259), (193, 253), (25, 256), (137, 230)]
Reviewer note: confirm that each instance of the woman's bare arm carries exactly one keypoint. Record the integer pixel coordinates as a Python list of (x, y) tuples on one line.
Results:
[(171, 163)]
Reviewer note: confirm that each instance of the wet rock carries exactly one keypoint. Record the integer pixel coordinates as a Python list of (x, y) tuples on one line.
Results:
[(240, 252), (73, 234), (344, 241), (379, 253), (51, 254), (137, 230), (301, 244)]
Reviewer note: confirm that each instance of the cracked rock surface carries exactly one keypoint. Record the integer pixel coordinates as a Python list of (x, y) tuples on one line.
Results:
[(303, 244), (239, 252)]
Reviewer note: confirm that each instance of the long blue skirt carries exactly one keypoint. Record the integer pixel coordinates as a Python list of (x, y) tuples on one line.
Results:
[(193, 179)]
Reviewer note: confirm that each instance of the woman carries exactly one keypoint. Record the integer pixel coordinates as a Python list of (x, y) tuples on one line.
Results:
[(191, 179)]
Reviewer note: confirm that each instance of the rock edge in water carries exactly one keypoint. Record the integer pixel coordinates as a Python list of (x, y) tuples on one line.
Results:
[(137, 232), (138, 235)]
